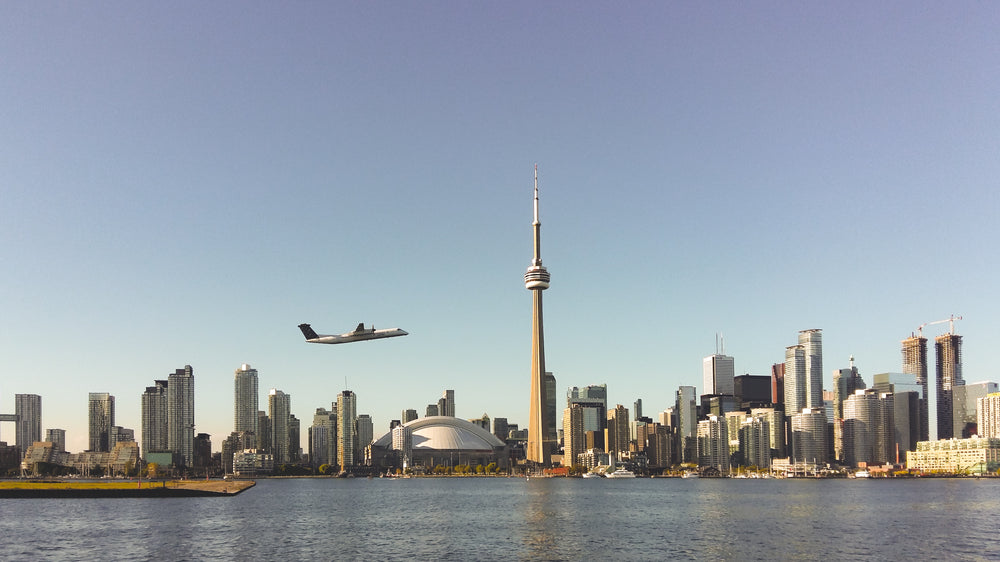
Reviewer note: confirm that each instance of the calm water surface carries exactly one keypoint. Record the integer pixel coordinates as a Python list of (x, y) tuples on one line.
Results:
[(541, 519)]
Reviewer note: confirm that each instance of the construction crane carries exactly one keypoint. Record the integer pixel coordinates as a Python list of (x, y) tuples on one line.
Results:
[(951, 327)]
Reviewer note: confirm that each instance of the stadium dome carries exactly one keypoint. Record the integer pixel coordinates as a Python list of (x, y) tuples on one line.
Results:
[(433, 440), (446, 433)]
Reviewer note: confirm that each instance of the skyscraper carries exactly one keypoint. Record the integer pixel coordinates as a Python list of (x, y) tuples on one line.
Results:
[(809, 437), (28, 409), (101, 418), (812, 343), (154, 419), (346, 428), (915, 363), (279, 409), (795, 379), (245, 400), (717, 374), (574, 441), (365, 435), (687, 422), (964, 400), (323, 438), (180, 414), (713, 444), (948, 349), (446, 404), (616, 436), (536, 280)]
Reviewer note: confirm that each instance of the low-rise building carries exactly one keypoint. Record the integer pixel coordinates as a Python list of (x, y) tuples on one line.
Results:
[(974, 455)]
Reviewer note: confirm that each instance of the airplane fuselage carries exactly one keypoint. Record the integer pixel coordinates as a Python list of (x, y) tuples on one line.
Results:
[(359, 334)]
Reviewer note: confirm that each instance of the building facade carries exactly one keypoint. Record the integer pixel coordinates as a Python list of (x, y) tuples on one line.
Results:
[(154, 419), (279, 408), (100, 418), (574, 441), (346, 429), (948, 349), (180, 414), (245, 400), (717, 373), (28, 409)]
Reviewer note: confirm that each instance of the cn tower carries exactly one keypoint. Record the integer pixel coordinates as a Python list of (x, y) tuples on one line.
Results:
[(536, 280)]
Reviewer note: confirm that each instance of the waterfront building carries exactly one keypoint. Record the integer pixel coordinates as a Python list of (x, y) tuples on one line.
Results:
[(58, 439), (755, 441), (202, 450), (659, 446), (915, 363), (100, 418), (964, 400), (346, 428), (988, 415), (845, 383), (245, 400), (687, 423), (251, 462), (323, 437), (795, 379), (713, 444), (977, 455), (775, 419), (717, 373), (948, 349), (439, 440), (812, 343), (616, 436), (408, 415), (263, 433), (592, 458), (294, 438), (154, 418), (180, 414), (28, 409), (809, 444), (279, 407), (865, 428), (536, 280), (574, 441)]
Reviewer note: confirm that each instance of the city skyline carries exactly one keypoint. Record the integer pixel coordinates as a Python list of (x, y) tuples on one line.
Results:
[(190, 187)]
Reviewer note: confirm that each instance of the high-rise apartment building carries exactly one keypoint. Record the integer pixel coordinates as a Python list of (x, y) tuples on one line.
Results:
[(964, 400), (616, 436), (869, 428), (809, 437), (101, 418), (245, 400), (346, 428), (58, 439), (845, 383), (500, 429), (686, 406), (154, 419), (279, 408), (717, 374), (594, 401), (180, 414), (536, 280), (574, 441), (776, 428), (28, 409), (988, 415), (755, 441), (365, 435), (812, 343), (948, 349), (323, 437), (795, 379), (408, 415), (713, 444), (552, 414), (446, 404), (915, 363)]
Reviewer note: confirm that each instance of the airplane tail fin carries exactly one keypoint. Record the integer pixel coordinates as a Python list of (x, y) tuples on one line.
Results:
[(308, 332)]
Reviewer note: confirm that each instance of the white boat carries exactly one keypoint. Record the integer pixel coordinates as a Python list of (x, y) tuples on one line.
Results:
[(620, 473), (689, 474), (591, 475), (862, 474)]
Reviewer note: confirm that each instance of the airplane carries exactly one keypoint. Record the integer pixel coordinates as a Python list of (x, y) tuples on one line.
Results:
[(359, 334)]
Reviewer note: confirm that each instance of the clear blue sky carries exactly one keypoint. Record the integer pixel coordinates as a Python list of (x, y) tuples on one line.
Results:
[(184, 183)]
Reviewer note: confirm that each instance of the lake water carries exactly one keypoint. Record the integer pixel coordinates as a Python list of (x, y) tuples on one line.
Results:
[(515, 519)]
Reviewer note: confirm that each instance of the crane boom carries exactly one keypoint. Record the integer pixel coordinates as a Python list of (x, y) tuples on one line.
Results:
[(950, 321)]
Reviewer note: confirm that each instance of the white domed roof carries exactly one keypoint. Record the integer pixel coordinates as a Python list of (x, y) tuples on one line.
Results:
[(446, 433)]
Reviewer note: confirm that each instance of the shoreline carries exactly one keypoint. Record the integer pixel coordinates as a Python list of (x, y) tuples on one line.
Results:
[(149, 489)]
